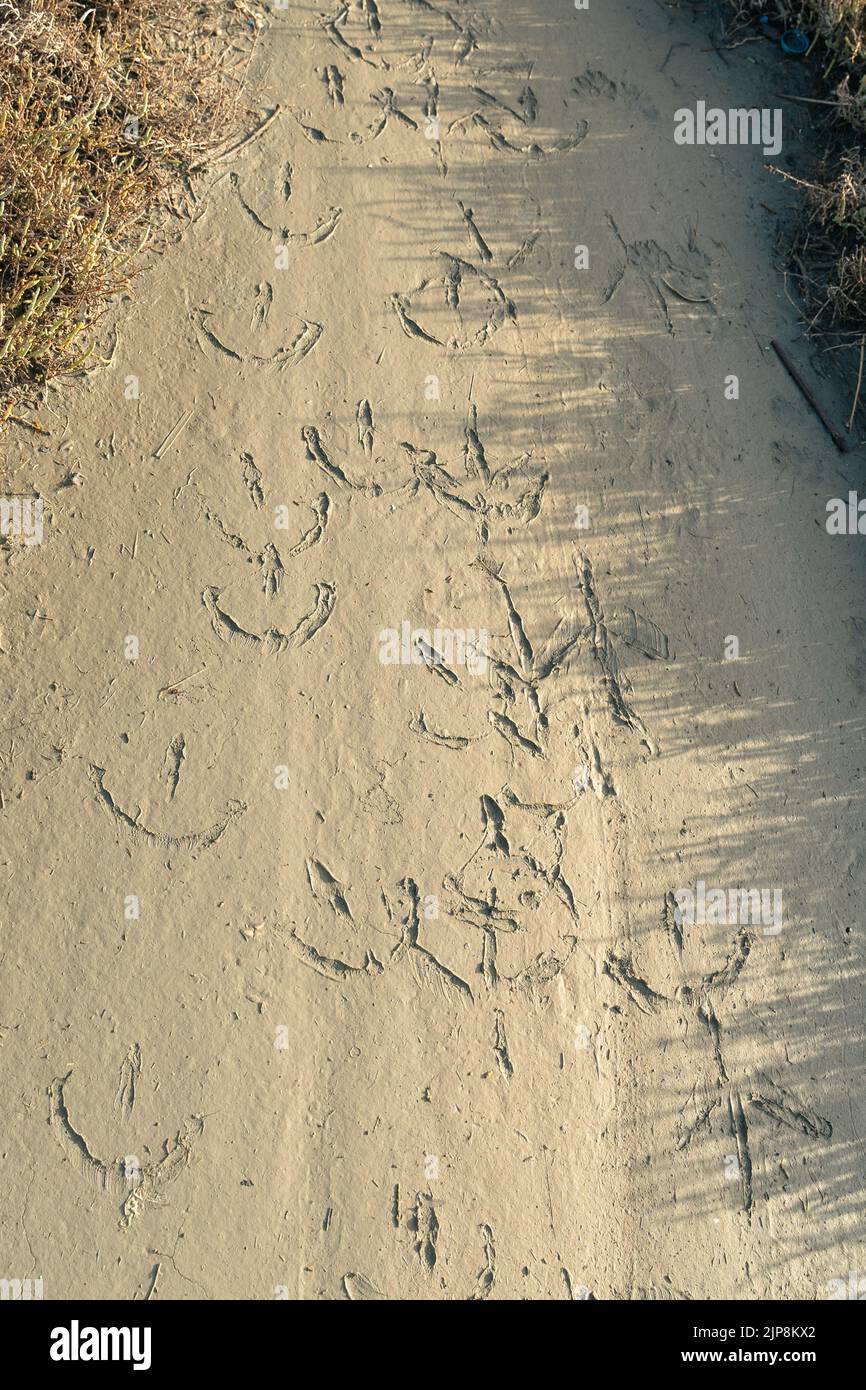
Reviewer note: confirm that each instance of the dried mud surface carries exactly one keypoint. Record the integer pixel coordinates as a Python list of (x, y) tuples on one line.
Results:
[(326, 977)]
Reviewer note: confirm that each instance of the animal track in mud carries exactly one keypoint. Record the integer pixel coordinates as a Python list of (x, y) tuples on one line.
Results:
[(390, 476), (699, 996), (288, 355), (510, 496), (596, 84), (504, 886), (194, 840), (500, 142), (655, 267), (423, 1222), (273, 641), (520, 119), (350, 27), (517, 681), (466, 293), (324, 227), (268, 560), (141, 1182)]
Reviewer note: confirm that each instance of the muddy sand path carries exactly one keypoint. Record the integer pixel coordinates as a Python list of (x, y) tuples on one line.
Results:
[(367, 700)]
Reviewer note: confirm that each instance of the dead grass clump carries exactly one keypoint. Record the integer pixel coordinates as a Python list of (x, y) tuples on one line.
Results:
[(102, 107), (830, 246)]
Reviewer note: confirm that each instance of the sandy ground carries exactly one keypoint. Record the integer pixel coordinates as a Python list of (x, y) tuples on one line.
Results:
[(336, 965)]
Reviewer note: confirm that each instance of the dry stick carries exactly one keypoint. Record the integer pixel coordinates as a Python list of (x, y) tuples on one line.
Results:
[(859, 383), (842, 444), (252, 135)]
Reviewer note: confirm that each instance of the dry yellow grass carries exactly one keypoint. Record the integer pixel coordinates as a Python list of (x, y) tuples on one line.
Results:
[(102, 108), (830, 248)]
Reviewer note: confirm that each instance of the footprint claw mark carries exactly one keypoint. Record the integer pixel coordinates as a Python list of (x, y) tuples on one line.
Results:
[(500, 1045), (141, 1184), (493, 818), (703, 1110), (370, 10), (261, 306), (777, 1104), (272, 570), (672, 922), (426, 968), (520, 641), (366, 429), (358, 1288), (272, 641), (194, 840), (418, 725), (621, 970), (615, 684), (523, 251), (311, 132), (285, 356), (487, 1277), (321, 510), (314, 621), (328, 966), (127, 1089), (253, 480), (729, 973), (503, 145), (474, 458), (325, 227), (301, 345), (508, 730), (425, 1223), (317, 453), (435, 662), (431, 116), (175, 754), (235, 184), (400, 304), (333, 80), (541, 809), (324, 886), (475, 236), (740, 1134), (490, 100), (351, 51)]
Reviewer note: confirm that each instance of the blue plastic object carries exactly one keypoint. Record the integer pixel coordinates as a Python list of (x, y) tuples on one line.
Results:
[(794, 42)]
